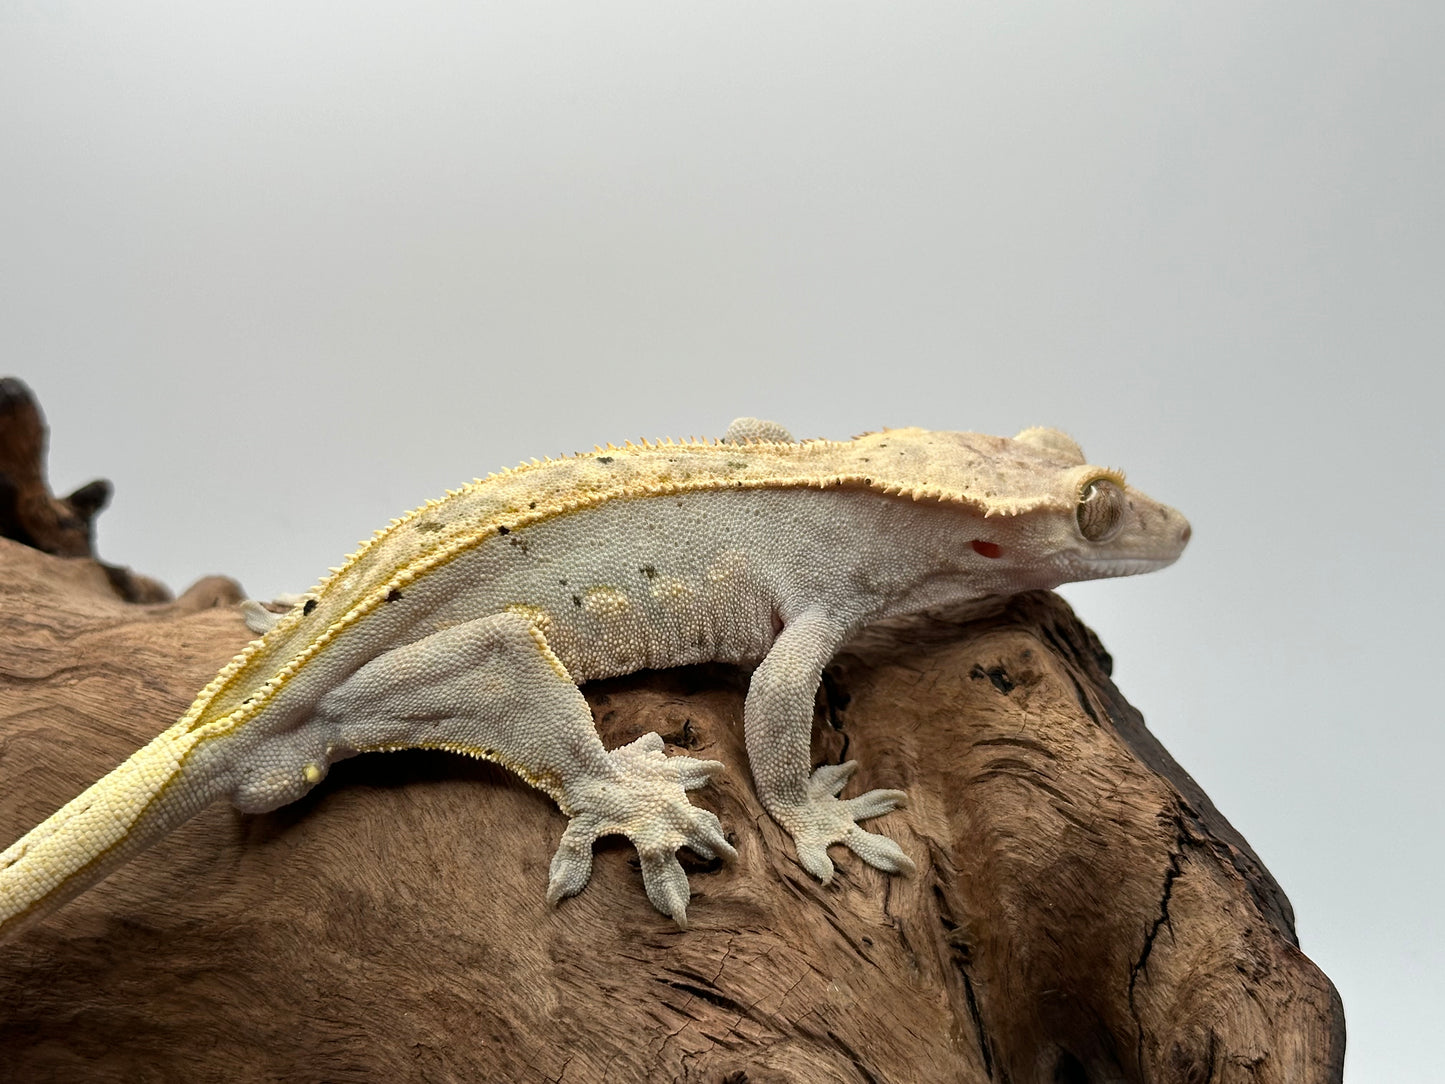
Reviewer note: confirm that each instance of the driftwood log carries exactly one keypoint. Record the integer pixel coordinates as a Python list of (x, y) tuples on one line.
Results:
[(1081, 911)]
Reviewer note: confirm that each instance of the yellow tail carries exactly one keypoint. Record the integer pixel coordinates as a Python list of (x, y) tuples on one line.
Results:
[(85, 839)]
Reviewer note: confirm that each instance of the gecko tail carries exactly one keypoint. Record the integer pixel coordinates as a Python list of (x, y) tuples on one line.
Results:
[(98, 830)]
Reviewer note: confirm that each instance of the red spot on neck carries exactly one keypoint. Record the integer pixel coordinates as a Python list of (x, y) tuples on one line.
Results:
[(985, 549)]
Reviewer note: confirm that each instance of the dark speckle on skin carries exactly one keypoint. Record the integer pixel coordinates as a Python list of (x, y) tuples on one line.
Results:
[(427, 525), (504, 530), (533, 504), (393, 595), (563, 581), (310, 605), (648, 571), (577, 601), (604, 459)]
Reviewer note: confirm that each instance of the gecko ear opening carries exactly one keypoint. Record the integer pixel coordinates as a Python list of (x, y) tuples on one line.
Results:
[(1053, 441)]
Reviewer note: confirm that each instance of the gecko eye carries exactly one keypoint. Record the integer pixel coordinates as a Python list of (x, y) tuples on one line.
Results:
[(1101, 510)]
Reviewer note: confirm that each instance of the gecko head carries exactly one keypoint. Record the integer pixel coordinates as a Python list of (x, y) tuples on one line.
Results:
[(1037, 512), (1086, 522)]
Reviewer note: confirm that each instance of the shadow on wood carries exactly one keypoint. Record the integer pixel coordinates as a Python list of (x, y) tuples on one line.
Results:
[(1081, 910)]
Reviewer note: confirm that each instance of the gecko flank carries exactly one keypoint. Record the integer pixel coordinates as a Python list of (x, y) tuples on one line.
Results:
[(468, 624)]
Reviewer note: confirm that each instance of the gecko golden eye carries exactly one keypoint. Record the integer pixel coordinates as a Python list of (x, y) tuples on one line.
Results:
[(1101, 510)]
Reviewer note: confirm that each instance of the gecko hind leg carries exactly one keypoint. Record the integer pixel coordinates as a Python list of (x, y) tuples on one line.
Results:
[(639, 800), (493, 688)]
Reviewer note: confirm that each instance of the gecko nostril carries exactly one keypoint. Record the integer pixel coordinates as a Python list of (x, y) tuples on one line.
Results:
[(1184, 534)]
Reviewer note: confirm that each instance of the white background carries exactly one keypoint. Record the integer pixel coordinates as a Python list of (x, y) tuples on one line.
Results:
[(283, 270)]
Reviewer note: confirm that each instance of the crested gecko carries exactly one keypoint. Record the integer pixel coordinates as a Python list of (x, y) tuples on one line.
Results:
[(469, 623)]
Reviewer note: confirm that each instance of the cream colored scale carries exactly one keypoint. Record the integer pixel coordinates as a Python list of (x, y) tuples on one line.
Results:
[(468, 623)]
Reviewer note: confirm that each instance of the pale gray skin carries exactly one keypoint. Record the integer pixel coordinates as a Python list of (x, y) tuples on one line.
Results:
[(483, 653), (774, 577)]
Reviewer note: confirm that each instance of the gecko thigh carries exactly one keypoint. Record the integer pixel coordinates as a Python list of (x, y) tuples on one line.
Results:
[(490, 688)]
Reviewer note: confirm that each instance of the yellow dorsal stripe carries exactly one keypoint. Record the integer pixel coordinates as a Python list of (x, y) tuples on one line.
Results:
[(909, 464)]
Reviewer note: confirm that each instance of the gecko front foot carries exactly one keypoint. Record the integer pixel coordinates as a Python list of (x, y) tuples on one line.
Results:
[(823, 819), (646, 801)]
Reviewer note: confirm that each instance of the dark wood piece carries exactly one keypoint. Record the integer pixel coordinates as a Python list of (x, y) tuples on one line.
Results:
[(1081, 912), (31, 515)]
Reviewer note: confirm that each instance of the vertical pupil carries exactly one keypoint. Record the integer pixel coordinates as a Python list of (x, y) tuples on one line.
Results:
[(1100, 506)]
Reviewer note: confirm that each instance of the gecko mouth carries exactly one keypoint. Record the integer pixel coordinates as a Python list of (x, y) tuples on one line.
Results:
[(1100, 568)]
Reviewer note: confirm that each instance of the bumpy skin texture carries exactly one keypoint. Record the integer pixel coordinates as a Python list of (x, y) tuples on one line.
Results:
[(468, 624)]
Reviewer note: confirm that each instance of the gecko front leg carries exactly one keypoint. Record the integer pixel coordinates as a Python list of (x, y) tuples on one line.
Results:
[(778, 723), (494, 689)]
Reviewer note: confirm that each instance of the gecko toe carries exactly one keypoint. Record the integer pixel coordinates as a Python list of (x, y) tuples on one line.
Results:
[(880, 852), (706, 838), (666, 884), (813, 856), (828, 779), (695, 773), (643, 797), (821, 820), (572, 864), (650, 745), (874, 803)]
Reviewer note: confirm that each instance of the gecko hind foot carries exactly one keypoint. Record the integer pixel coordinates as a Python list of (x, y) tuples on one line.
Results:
[(646, 802), (823, 819)]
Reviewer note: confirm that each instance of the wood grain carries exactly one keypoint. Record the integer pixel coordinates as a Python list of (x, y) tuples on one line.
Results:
[(1081, 912)]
